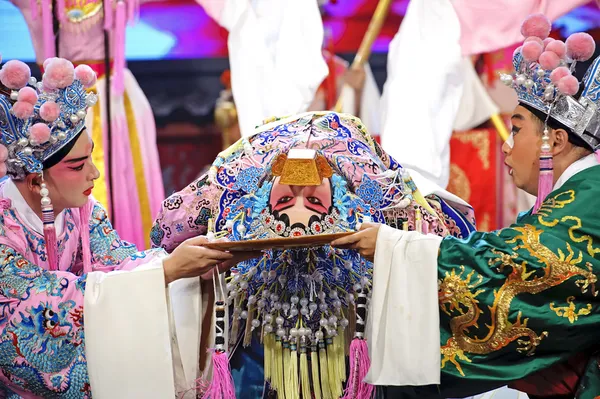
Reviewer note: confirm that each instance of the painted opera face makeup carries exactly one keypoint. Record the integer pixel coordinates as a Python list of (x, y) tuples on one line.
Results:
[(70, 182), (298, 206)]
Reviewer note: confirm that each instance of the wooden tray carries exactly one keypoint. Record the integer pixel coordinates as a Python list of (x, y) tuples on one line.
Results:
[(318, 240)]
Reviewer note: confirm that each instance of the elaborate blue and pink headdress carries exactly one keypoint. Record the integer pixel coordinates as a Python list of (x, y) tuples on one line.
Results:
[(544, 81), (307, 305), (38, 119)]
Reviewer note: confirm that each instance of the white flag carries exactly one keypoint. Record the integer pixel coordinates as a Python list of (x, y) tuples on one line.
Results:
[(423, 90), (476, 106)]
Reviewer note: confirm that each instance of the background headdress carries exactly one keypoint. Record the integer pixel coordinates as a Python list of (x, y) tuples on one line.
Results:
[(38, 119), (544, 80)]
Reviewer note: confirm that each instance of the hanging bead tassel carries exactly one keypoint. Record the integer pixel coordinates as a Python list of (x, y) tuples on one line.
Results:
[(268, 345), (314, 367), (292, 385), (546, 179), (277, 369), (339, 342), (304, 375), (49, 230), (324, 370), (334, 382), (221, 385), (360, 362)]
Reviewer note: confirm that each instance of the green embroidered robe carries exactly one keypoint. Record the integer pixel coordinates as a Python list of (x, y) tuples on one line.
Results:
[(522, 299)]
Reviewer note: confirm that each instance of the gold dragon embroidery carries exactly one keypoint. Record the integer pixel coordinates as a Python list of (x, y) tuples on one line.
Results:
[(570, 312), (455, 291)]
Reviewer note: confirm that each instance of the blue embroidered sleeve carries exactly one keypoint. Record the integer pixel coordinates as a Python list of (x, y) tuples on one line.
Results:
[(106, 246), (109, 251), (42, 347)]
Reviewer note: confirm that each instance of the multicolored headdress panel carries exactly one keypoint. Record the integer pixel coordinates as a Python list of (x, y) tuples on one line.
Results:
[(544, 80), (38, 118), (309, 174)]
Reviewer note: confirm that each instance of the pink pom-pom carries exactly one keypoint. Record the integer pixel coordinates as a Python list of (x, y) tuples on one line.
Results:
[(534, 39), (3, 153), (85, 75), (46, 86), (28, 95), (549, 60), (532, 51), (40, 133), (49, 111), (22, 110), (580, 46), (60, 73), (558, 74), (569, 85), (547, 41), (537, 25), (15, 74), (558, 47), (49, 60)]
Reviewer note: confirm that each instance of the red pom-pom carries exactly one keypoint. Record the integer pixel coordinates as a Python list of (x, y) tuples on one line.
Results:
[(580, 46), (569, 85), (85, 75), (49, 111), (558, 47), (40, 133), (532, 51), (537, 25), (28, 95), (549, 60), (60, 73), (15, 74), (22, 110), (3, 153), (558, 74)]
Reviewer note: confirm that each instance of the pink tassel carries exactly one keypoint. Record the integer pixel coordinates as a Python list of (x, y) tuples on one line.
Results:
[(119, 63), (50, 236), (360, 363), (221, 385), (108, 14), (546, 179), (60, 8), (48, 30)]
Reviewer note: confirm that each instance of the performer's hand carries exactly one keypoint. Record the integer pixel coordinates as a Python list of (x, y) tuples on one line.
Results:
[(355, 78), (364, 241), (191, 259)]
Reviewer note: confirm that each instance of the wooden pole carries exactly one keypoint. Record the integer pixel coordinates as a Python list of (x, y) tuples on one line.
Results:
[(500, 126)]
